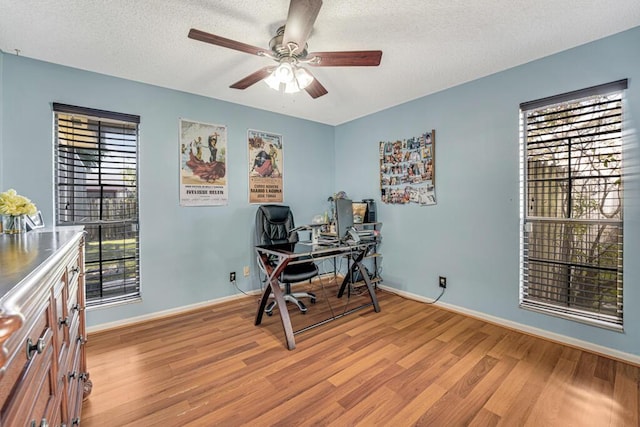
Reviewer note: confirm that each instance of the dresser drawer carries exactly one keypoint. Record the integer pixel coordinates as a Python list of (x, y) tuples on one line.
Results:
[(72, 299), (65, 362), (58, 417), (75, 311), (75, 386), (73, 269), (65, 296), (36, 393), (61, 316), (38, 337)]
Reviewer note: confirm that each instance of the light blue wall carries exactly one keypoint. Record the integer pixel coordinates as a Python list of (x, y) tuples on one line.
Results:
[(186, 252), (472, 235)]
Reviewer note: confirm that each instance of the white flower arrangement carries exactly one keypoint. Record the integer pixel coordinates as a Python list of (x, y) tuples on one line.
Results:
[(11, 203)]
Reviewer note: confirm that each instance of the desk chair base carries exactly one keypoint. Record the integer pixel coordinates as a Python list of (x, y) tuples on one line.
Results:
[(292, 297)]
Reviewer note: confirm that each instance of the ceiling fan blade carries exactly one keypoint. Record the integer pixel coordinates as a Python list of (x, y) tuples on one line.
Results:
[(315, 89), (302, 15), (221, 41), (355, 58), (252, 78)]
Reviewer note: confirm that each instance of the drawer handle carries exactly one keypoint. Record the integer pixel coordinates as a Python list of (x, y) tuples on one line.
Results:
[(75, 269), (83, 376), (75, 307), (44, 423), (38, 347), (76, 422), (64, 321), (72, 375), (81, 340)]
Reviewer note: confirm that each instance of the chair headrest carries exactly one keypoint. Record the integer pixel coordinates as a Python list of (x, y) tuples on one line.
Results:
[(276, 213)]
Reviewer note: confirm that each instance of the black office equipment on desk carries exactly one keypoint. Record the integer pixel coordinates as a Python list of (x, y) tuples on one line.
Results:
[(370, 229), (371, 215), (354, 226), (344, 218)]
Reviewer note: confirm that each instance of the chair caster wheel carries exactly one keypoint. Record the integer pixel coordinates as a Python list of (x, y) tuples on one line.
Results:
[(269, 313), (313, 300)]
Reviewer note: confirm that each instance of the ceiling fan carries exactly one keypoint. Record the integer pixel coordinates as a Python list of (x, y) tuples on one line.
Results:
[(289, 49)]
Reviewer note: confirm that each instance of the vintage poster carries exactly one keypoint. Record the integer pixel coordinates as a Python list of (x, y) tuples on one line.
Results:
[(407, 173), (265, 167), (203, 166)]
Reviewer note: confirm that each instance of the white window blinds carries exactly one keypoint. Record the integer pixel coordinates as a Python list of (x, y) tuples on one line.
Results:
[(96, 182), (572, 228)]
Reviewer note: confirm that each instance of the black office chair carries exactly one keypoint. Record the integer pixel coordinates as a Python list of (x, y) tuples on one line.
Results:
[(273, 226)]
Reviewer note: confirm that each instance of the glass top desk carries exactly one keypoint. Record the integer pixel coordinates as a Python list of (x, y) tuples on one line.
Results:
[(290, 253)]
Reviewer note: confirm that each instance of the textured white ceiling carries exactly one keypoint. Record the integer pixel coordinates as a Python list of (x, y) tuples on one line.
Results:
[(427, 45)]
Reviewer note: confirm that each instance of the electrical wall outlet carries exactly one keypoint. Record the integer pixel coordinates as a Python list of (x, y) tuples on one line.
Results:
[(246, 271), (232, 276), (442, 281)]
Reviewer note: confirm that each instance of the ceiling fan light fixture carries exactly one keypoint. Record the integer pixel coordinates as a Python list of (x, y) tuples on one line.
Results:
[(273, 81), (291, 87), (284, 72), (303, 78), (293, 78)]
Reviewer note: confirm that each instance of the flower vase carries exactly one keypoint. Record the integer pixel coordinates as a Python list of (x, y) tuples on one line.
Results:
[(14, 224)]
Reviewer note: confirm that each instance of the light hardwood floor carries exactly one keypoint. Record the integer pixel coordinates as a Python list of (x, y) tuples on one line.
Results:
[(410, 364)]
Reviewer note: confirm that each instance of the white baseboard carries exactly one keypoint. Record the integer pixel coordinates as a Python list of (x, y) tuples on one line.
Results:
[(172, 311), (562, 339), (551, 336), (166, 313)]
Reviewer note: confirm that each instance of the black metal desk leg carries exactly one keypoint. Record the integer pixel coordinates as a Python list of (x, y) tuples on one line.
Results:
[(367, 281), (357, 263), (267, 289), (348, 277), (273, 286), (284, 315)]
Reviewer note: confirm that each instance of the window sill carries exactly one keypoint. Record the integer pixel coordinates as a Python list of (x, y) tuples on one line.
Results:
[(573, 317)]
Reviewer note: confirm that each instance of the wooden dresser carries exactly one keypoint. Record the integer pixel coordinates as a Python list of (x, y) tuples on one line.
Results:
[(43, 372)]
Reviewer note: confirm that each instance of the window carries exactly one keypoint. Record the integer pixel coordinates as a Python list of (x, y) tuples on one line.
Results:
[(96, 179), (571, 210)]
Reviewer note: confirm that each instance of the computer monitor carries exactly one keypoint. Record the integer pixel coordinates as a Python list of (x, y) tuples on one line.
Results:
[(344, 217)]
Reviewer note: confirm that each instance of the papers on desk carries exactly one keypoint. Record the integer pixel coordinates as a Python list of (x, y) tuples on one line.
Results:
[(301, 228), (327, 241)]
